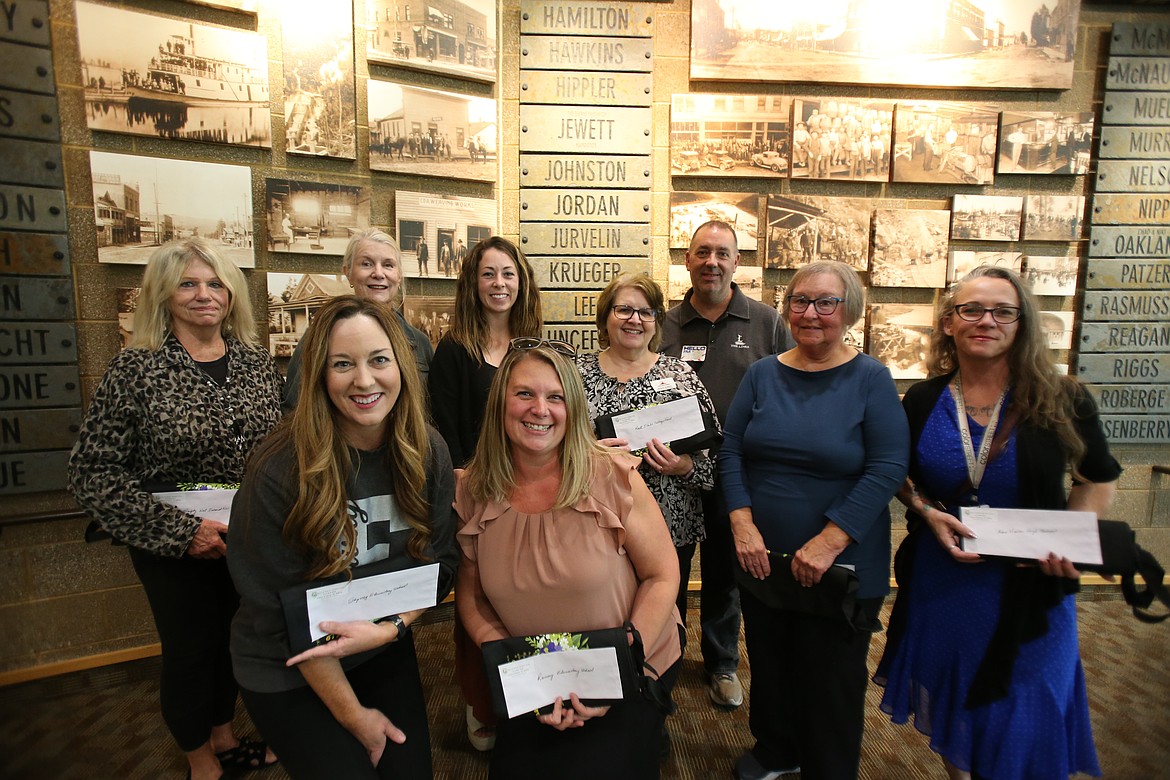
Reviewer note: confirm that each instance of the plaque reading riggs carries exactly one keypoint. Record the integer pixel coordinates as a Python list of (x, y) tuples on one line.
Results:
[(572, 17), (585, 130), (48, 429), (38, 342), (561, 52), (29, 116), (1132, 399), (34, 253), (1125, 337), (1152, 73), (33, 472), (1129, 242), (585, 205), (1128, 274), (1136, 429), (566, 238), (1126, 305), (36, 299), (22, 387), (583, 273), (33, 162), (569, 306), (584, 88), (1137, 209), (27, 208), (583, 337), (1129, 38), (1141, 143), (555, 170), (1136, 108), (1133, 175), (26, 68), (1124, 369), (26, 21)]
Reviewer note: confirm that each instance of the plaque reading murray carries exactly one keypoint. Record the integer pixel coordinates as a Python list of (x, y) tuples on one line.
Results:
[(1129, 242), (1136, 108), (566, 238), (1141, 143), (578, 170), (1129, 38), (560, 52), (1124, 369), (583, 273), (572, 17), (585, 130), (1126, 305), (1127, 209), (596, 89), (29, 116), (1132, 399), (34, 253), (1125, 337), (1152, 73), (29, 208), (1133, 175), (585, 205), (1128, 274)]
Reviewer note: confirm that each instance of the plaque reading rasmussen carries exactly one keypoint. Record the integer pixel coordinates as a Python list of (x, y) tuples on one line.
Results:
[(36, 299), (566, 238), (1140, 143), (585, 88), (1126, 305), (29, 208), (1129, 242), (1124, 369), (539, 205), (1128, 274), (1129, 38), (578, 170), (1133, 175), (1132, 399), (33, 472), (572, 17), (585, 130), (29, 116), (561, 52), (583, 273), (1136, 108), (1144, 73), (34, 253), (46, 429), (1125, 337), (1131, 209)]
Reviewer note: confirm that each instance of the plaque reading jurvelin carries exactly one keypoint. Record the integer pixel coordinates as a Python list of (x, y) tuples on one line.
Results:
[(572, 17), (567, 238), (585, 205), (584, 129), (576, 170)]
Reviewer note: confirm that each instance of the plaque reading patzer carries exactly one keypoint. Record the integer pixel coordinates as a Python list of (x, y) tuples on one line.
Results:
[(585, 88), (1134, 429), (1129, 242), (28, 208), (1125, 337), (578, 170), (585, 130), (49, 429), (585, 205), (566, 238), (1138, 73), (1127, 209), (1129, 38), (33, 472), (1136, 108), (1126, 305), (38, 342), (1128, 274), (572, 17), (1133, 176), (29, 116), (34, 253), (562, 52), (583, 273), (1124, 369), (1132, 399)]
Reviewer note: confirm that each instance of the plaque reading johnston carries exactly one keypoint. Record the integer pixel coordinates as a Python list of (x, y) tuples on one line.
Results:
[(557, 170), (1128, 274)]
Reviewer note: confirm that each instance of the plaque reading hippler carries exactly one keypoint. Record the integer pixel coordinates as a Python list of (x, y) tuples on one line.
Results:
[(40, 430), (1129, 242), (569, 306), (1152, 73), (1125, 337), (572, 17), (22, 387), (1133, 175), (562, 52), (566, 238), (33, 472), (1133, 429), (576, 170), (585, 205), (34, 253), (583, 273), (583, 337), (1125, 305), (38, 342), (29, 116), (28, 208), (26, 68), (1132, 399), (1128, 274), (36, 299), (1124, 369), (1127, 209), (1129, 38), (33, 162), (1136, 108), (585, 130), (1142, 143), (585, 88)]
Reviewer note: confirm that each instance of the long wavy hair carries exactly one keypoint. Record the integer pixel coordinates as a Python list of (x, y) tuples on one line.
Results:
[(654, 299), (164, 271), (1040, 395), (319, 524), (469, 328), (490, 473), (378, 236)]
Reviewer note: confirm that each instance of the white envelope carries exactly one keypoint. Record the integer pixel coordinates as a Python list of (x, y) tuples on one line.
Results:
[(537, 681), (210, 504), (1033, 533), (678, 419), (369, 598)]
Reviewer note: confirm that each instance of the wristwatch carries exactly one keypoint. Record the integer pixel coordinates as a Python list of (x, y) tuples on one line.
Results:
[(398, 622)]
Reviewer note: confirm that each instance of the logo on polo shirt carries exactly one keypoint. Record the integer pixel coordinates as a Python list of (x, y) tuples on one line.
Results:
[(739, 342)]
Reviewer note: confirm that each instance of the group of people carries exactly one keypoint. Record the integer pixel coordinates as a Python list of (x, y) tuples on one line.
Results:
[(485, 457)]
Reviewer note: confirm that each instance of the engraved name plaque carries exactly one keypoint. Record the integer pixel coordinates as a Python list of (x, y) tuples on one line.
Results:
[(569, 306), (1136, 108), (1129, 38), (1124, 369), (558, 170), (1152, 73), (34, 253), (36, 299), (1125, 337), (47, 429), (1133, 175), (25, 21), (583, 274), (572, 17), (1128, 274), (33, 162), (1127, 209), (561, 52), (33, 472), (26, 68), (565, 238), (29, 116), (583, 337), (22, 387), (28, 208), (1140, 143), (585, 205), (585, 130), (1133, 429), (38, 342), (1129, 242), (1132, 399), (1125, 305), (584, 88)]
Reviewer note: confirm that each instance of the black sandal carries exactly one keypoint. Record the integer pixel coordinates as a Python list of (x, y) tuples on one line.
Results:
[(247, 755)]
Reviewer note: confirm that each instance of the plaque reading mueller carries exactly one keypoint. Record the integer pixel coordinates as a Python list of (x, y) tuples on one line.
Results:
[(585, 130), (34, 253), (1128, 274), (585, 205), (1141, 143), (1127, 242), (1133, 176), (1129, 38), (1124, 369), (583, 273), (595, 89), (566, 238), (1125, 305), (562, 52), (1132, 399), (1131, 209), (578, 170), (29, 116), (1138, 73), (1136, 108), (572, 17), (1125, 337)]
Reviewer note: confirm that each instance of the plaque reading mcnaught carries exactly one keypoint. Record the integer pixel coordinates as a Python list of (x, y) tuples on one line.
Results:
[(588, 273), (1133, 175), (1125, 337), (1136, 108), (569, 306), (1131, 209), (1124, 369), (1129, 242), (540, 205), (1141, 143), (1134, 429), (1125, 305), (568, 238), (1138, 73), (562, 52), (38, 342), (29, 116), (1132, 399), (578, 170), (34, 253), (585, 88), (1112, 274), (572, 17), (585, 130), (1130, 38)]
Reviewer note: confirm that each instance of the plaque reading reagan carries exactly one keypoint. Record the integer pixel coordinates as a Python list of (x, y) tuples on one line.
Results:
[(1125, 337)]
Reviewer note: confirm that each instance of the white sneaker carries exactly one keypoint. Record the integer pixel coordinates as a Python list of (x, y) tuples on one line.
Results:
[(725, 691)]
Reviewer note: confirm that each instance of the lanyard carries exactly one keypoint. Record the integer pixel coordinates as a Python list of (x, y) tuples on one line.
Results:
[(976, 462)]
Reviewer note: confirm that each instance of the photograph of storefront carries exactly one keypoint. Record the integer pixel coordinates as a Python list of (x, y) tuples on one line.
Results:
[(446, 36), (729, 135), (945, 143), (1045, 142)]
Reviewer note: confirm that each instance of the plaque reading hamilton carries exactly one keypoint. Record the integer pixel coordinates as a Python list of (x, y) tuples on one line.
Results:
[(1125, 305), (34, 253), (566, 238), (38, 342), (1136, 108), (572, 17), (37, 163), (585, 130), (1131, 209), (1125, 337), (578, 170), (587, 273), (33, 472), (1124, 369), (1138, 73), (569, 306), (561, 52), (1133, 429), (1132, 399), (22, 387), (29, 208), (1133, 175), (47, 429), (27, 68), (36, 299), (1129, 242), (1128, 274), (585, 205), (1129, 38), (585, 88), (583, 337), (29, 116)]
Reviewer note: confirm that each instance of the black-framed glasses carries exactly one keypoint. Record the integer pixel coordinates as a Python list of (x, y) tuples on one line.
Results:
[(623, 312), (525, 343), (973, 312), (826, 305)]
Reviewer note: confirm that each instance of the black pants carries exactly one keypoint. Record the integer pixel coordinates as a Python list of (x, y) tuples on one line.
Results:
[(193, 602), (807, 697), (310, 742)]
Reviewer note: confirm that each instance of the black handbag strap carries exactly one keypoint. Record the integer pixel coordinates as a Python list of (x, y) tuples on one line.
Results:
[(652, 688), (1140, 600)]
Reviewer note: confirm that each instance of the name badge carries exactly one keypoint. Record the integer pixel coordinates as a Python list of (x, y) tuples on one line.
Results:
[(666, 383), (694, 353)]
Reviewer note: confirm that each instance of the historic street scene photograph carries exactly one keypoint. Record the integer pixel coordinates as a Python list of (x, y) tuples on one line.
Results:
[(804, 228), (688, 210), (945, 143), (436, 232), (452, 37), (1052, 275), (964, 261), (841, 139), (729, 135), (1053, 217), (910, 248), (986, 217)]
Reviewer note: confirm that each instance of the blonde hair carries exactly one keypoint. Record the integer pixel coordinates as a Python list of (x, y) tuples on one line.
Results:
[(654, 299), (490, 475), (378, 236), (469, 328), (164, 271)]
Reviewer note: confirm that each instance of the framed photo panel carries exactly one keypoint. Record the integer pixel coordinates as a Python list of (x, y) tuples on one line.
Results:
[(314, 217), (1045, 142), (804, 228), (1053, 217), (1052, 275), (963, 262), (320, 102), (945, 143), (436, 231), (688, 210), (841, 139), (729, 135), (452, 38), (293, 299), (909, 248), (899, 336), (986, 217)]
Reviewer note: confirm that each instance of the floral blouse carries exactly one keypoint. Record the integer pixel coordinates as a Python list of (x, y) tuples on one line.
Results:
[(677, 496)]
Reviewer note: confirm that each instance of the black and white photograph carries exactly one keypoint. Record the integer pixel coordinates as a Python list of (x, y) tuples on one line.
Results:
[(1052, 275), (320, 104), (451, 37), (677, 283), (688, 210), (986, 217), (432, 314), (1058, 328), (804, 228), (293, 299), (910, 248), (729, 135), (173, 78), (854, 336), (127, 304), (1045, 142), (899, 336), (945, 143), (313, 217), (431, 133), (1005, 44), (847, 140), (142, 202), (1053, 217), (436, 232), (964, 261)]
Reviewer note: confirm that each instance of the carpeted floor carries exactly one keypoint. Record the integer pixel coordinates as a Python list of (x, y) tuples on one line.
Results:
[(104, 724)]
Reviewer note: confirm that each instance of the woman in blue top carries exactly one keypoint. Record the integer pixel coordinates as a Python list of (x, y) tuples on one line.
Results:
[(1000, 692), (815, 447)]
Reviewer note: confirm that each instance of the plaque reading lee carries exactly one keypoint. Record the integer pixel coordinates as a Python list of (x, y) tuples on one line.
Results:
[(1133, 176), (29, 116), (585, 88), (26, 67), (583, 337), (571, 17), (1131, 209), (1125, 337), (22, 387), (1128, 274), (1132, 429), (38, 342), (1129, 242), (33, 472), (578, 170), (560, 52), (37, 163), (36, 299), (570, 306), (31, 208), (34, 253), (47, 429), (1141, 143), (25, 21), (586, 273), (1126, 305), (1132, 399), (1124, 369), (1138, 73), (565, 238), (1129, 38), (585, 205), (1136, 108)]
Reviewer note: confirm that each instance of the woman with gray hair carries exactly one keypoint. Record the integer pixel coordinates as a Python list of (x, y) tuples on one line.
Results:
[(815, 446)]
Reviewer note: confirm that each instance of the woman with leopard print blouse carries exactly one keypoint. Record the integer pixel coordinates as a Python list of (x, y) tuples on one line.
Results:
[(183, 406)]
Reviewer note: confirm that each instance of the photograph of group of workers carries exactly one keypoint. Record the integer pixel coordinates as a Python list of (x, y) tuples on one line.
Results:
[(842, 139), (1053, 217), (729, 135), (688, 210), (964, 261), (1052, 275), (804, 228), (1045, 142), (910, 248), (945, 143), (986, 217)]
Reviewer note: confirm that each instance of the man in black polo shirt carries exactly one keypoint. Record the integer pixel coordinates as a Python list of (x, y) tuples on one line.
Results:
[(720, 332)]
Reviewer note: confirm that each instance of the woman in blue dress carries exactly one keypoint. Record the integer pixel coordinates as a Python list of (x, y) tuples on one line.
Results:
[(983, 653)]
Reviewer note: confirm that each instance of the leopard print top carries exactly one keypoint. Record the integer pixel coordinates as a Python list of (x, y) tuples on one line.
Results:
[(157, 419)]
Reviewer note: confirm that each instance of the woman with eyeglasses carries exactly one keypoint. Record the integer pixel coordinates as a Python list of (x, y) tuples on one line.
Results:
[(815, 446), (496, 300), (983, 652), (629, 374), (560, 535)]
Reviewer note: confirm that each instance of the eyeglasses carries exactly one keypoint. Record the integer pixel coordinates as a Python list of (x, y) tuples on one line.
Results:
[(800, 303), (525, 343), (623, 312), (973, 312)]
